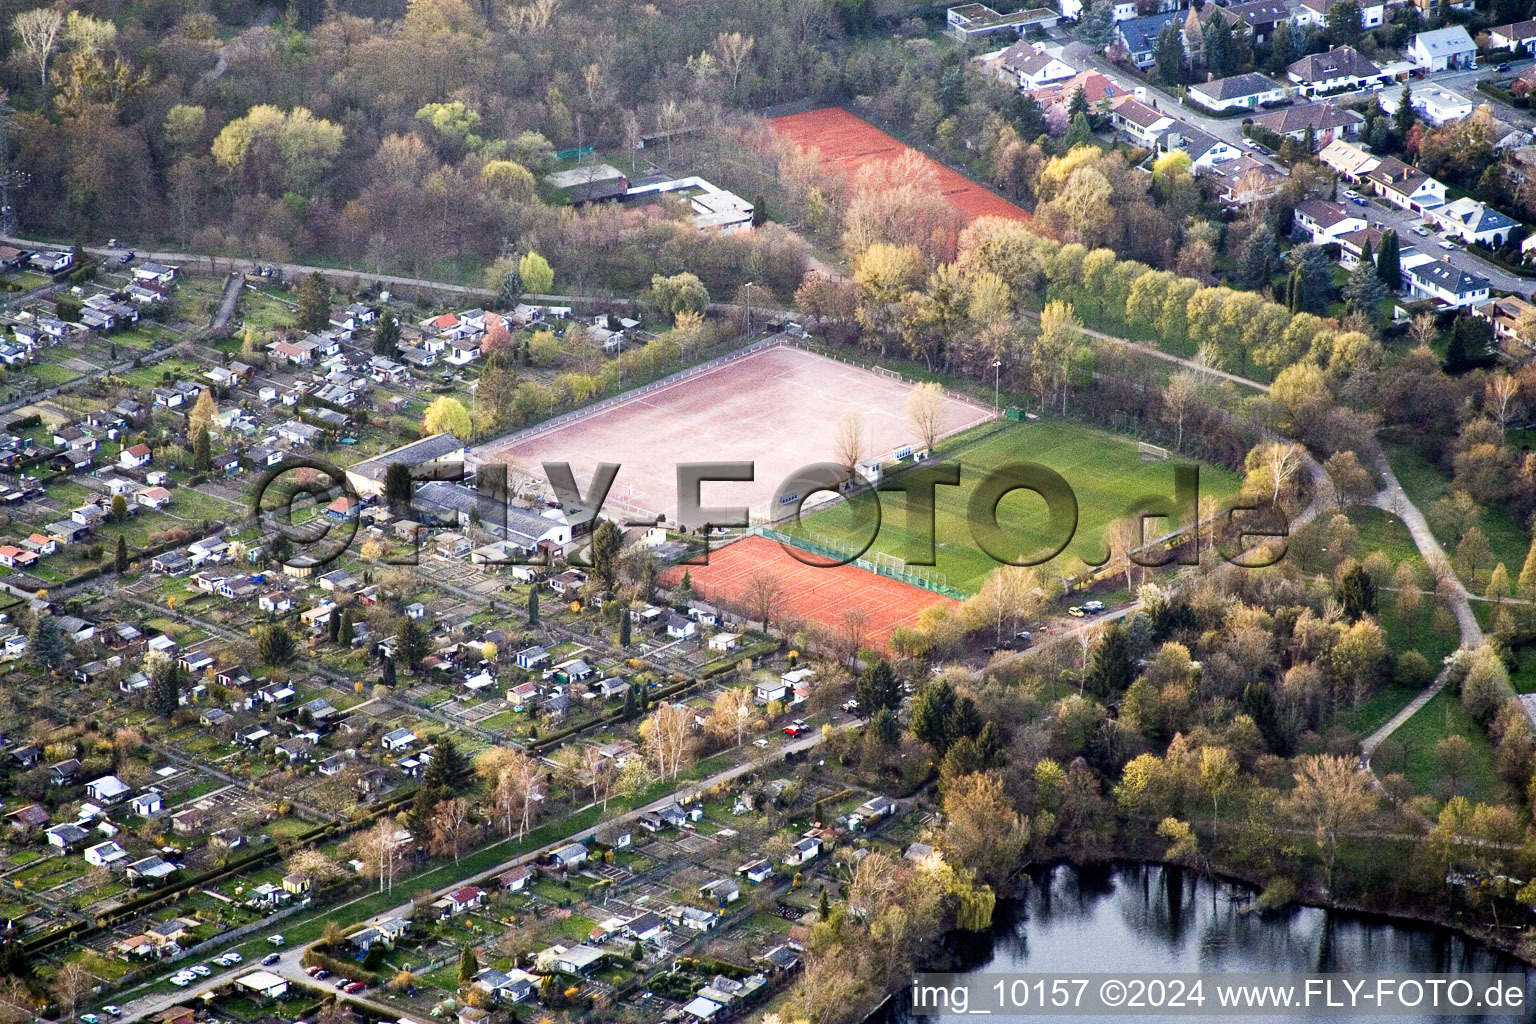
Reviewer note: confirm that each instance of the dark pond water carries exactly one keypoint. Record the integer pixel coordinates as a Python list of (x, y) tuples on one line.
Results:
[(1139, 918)]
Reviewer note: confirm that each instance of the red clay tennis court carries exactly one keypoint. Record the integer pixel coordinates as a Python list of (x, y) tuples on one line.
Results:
[(851, 142), (814, 595)]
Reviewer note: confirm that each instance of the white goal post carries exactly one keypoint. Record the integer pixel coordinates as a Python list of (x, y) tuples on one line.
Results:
[(1152, 452)]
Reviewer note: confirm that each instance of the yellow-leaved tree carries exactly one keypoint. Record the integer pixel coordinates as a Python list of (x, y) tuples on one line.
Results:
[(447, 415)]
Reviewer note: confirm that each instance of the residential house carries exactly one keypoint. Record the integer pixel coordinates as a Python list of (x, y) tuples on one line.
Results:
[(515, 879), (1033, 68), (721, 891), (975, 20), (757, 871), (577, 960), (1203, 149), (462, 900), (154, 273), (645, 927), (1434, 104), (1405, 186), (276, 602), (76, 629), (1325, 221), (1237, 92), (1436, 279), (1443, 49), (1517, 38), (1474, 222), (1338, 70), (1315, 12), (1258, 18), (1350, 161), (1324, 120), (153, 497), (398, 739), (1138, 36), (134, 457), (30, 817), (1505, 314), (150, 870)]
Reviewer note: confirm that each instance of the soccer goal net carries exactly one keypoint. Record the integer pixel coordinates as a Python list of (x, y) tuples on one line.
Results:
[(1152, 452)]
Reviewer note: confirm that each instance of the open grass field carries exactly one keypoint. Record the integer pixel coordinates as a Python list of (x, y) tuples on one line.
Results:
[(1440, 718), (1424, 484), (848, 143), (1104, 470)]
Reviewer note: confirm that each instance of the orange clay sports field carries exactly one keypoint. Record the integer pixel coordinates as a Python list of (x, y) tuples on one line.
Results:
[(808, 593), (849, 142)]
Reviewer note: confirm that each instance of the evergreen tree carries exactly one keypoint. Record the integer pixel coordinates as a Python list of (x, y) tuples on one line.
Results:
[(1344, 25), (1218, 48), (1389, 265), (1095, 27), (624, 628), (533, 605), (1357, 593), (823, 908), (412, 642), (1078, 103), (1026, 115), (1470, 345), (275, 646), (120, 559), (165, 690), (397, 484), (878, 688), (1168, 54), (449, 768), (607, 539), (47, 646), (1257, 257), (510, 293), (1309, 141), (1405, 117), (202, 451), (1111, 669), (1364, 291), (629, 702), (387, 675), (1079, 133), (683, 592), (931, 712), (347, 631), (1525, 583), (333, 626), (386, 335), (314, 313), (1282, 48)]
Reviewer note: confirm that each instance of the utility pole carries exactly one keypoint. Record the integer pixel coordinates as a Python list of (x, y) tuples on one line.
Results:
[(997, 381), (747, 288)]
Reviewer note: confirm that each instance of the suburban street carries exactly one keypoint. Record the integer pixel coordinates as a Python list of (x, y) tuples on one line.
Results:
[(1380, 213)]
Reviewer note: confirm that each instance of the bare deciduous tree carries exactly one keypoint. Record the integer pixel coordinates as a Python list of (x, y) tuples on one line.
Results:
[(666, 735), (1500, 398), (379, 849), (518, 788), (848, 445), (71, 984), (451, 828), (39, 32), (732, 50), (925, 412), (760, 595), (1179, 398)]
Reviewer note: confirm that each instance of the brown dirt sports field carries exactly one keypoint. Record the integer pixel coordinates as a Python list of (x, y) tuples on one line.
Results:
[(811, 594), (777, 408), (850, 142)]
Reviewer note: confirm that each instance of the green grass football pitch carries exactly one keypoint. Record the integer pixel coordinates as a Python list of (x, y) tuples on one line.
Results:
[(1105, 471)]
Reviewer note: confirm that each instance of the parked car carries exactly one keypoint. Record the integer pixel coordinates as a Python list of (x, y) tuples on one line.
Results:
[(181, 980), (276, 940), (1075, 611), (850, 705), (1360, 202), (1447, 245), (1350, 193), (114, 1010), (1502, 67), (1022, 636), (1093, 606), (355, 987), (90, 1018), (1422, 232), (270, 959), (796, 728), (202, 970), (126, 257)]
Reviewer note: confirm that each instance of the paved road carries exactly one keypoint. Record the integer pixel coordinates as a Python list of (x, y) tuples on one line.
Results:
[(291, 966)]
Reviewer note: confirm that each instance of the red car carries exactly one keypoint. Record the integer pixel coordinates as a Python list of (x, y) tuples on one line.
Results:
[(796, 728), (354, 987)]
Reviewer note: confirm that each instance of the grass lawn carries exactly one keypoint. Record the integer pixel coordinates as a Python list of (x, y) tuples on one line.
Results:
[(1440, 718), (1426, 484), (1103, 469)]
